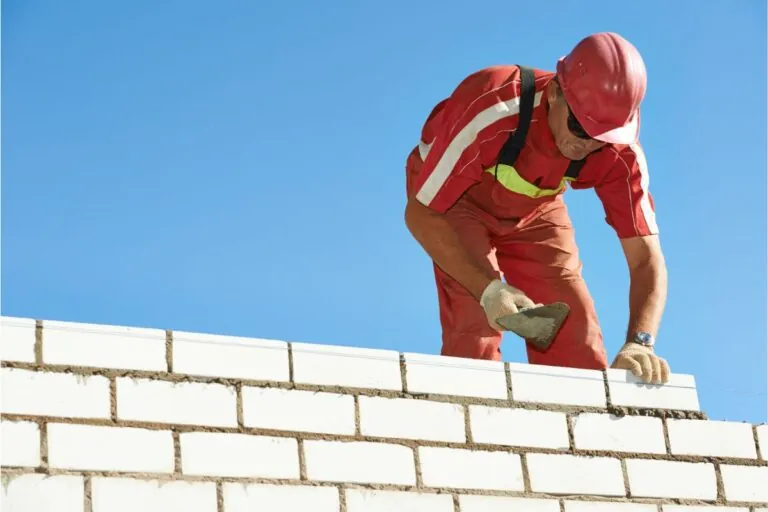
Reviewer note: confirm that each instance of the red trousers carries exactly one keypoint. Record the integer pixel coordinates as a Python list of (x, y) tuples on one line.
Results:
[(535, 252)]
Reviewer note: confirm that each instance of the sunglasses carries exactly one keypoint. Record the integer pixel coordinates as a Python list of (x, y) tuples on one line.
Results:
[(575, 127), (573, 124)]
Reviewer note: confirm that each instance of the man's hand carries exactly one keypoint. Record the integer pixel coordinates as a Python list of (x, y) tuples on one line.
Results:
[(499, 299), (643, 363)]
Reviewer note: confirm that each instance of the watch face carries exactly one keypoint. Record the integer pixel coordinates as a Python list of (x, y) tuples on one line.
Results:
[(644, 338)]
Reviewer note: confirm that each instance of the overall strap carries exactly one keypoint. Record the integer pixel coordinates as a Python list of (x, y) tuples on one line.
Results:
[(574, 168), (516, 141)]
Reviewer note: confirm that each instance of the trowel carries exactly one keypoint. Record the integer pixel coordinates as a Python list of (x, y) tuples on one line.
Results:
[(537, 324)]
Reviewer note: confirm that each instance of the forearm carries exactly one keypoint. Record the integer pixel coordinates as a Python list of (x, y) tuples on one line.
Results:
[(647, 296), (443, 245)]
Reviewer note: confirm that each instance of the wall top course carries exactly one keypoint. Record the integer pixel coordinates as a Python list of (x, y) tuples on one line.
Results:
[(310, 364)]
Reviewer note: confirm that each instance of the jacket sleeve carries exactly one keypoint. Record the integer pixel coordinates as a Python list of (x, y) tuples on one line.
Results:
[(451, 140), (626, 196)]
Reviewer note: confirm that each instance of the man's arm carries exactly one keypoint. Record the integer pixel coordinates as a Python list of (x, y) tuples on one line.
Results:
[(647, 296), (648, 283), (451, 165), (629, 208), (443, 245)]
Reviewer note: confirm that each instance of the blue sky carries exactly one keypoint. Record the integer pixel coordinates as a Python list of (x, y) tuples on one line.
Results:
[(237, 167)]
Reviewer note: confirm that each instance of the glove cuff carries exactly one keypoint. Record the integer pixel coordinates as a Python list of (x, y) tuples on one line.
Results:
[(631, 345)]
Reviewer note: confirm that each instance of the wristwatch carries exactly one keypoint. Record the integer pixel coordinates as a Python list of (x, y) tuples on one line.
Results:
[(643, 338)]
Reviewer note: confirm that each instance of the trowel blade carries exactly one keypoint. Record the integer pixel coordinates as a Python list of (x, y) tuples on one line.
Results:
[(538, 325)]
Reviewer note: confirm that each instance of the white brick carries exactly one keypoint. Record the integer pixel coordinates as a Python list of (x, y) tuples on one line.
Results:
[(411, 419), (190, 403), (104, 346), (230, 356), (575, 474), (678, 393), (43, 493), (468, 469), (694, 508), (595, 506), (504, 504), (366, 500), (518, 427), (557, 385), (239, 455), (635, 434), (361, 462), (346, 366), (20, 444), (278, 498), (762, 438), (711, 438), (300, 411), (97, 448), (17, 339), (667, 479), (458, 376), (131, 495), (54, 394), (745, 483)]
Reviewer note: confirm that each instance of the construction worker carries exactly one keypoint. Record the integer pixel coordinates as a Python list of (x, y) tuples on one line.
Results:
[(485, 200)]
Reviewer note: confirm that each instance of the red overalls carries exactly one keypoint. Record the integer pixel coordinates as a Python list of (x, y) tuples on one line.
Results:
[(505, 200)]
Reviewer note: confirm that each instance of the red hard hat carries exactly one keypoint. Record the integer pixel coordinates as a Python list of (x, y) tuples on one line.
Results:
[(604, 81)]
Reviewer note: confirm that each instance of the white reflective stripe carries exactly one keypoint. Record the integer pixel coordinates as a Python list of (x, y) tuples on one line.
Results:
[(464, 139), (645, 203), (424, 149)]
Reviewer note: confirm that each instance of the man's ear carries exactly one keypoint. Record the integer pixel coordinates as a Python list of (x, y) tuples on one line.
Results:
[(551, 91)]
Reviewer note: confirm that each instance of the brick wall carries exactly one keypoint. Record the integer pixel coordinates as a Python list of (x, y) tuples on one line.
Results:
[(116, 419)]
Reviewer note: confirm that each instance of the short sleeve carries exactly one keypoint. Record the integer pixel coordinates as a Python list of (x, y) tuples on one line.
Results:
[(451, 140), (625, 195)]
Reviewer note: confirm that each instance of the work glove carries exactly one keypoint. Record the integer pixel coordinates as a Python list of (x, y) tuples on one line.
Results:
[(643, 363), (499, 299)]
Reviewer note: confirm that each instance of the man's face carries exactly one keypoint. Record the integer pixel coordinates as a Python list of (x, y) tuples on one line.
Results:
[(569, 136)]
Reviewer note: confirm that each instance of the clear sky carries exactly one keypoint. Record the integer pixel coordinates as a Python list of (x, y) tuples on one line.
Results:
[(237, 167)]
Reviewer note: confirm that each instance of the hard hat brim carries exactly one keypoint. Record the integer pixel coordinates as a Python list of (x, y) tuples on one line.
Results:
[(626, 134)]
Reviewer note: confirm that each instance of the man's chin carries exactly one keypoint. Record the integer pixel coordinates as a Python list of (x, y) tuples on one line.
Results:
[(572, 153)]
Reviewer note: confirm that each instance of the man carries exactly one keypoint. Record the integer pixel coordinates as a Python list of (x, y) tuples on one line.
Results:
[(485, 201)]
